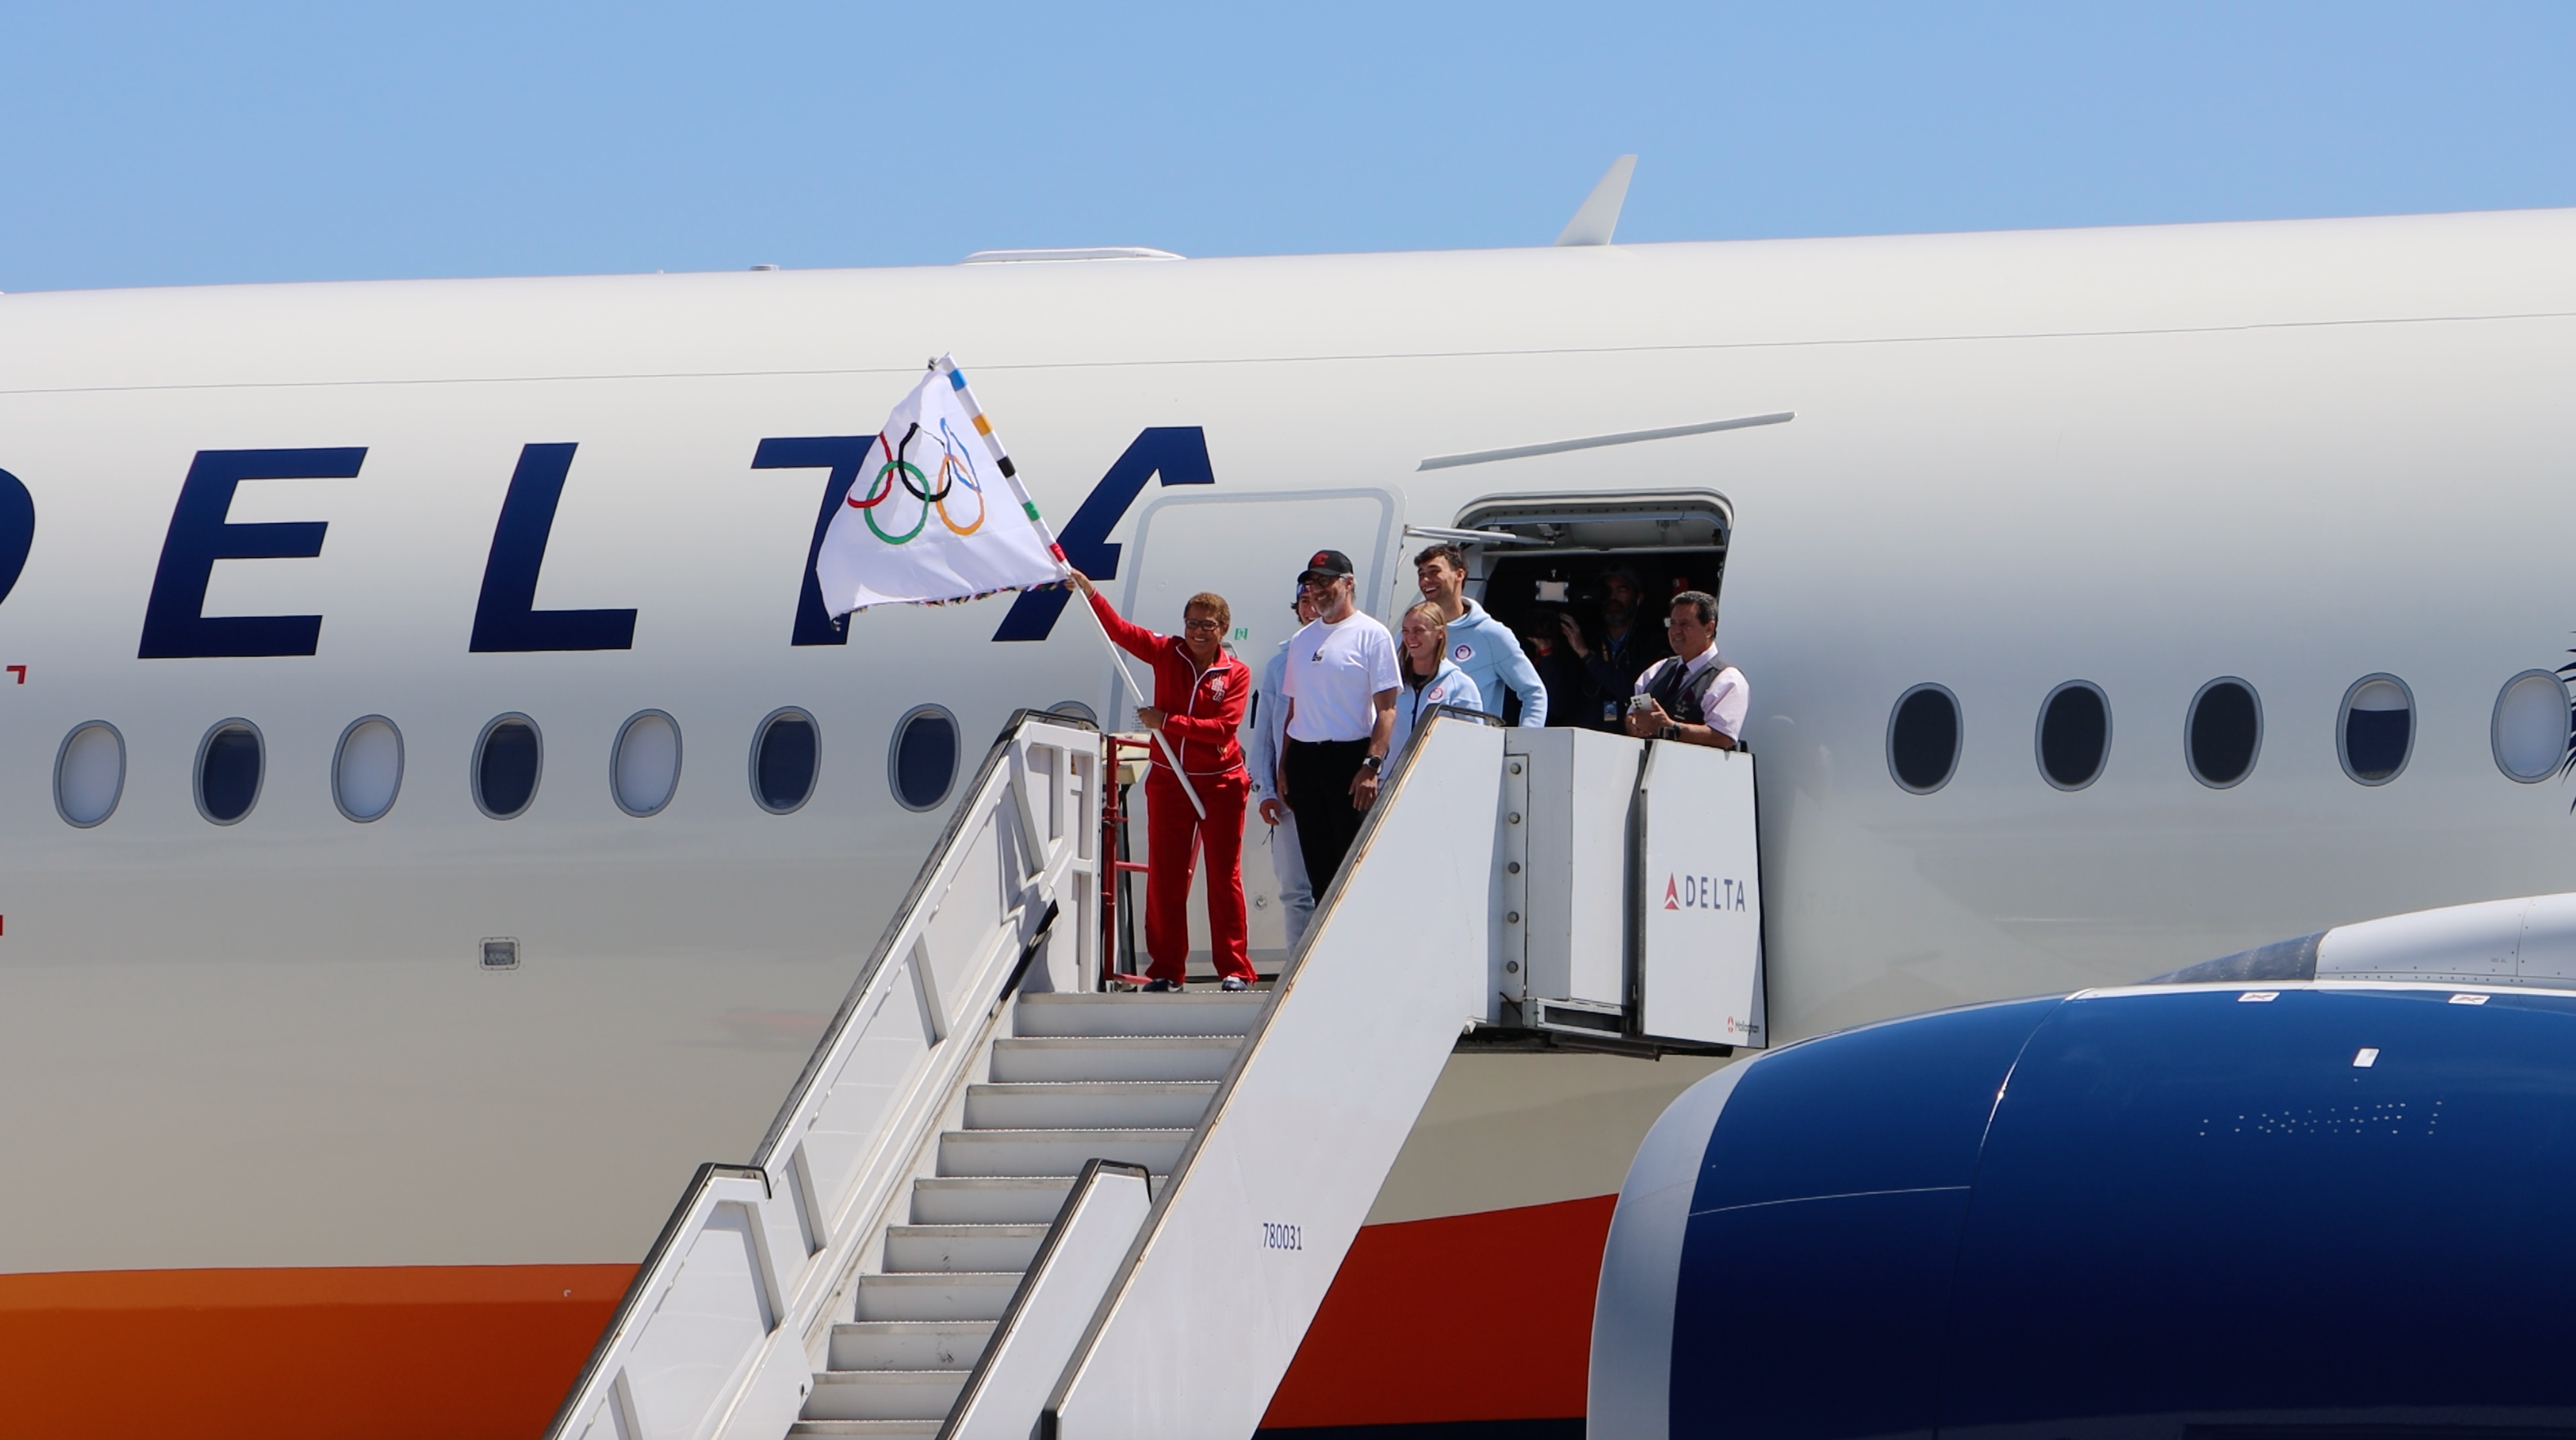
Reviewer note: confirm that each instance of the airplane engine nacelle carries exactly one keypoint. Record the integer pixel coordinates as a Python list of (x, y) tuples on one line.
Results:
[(2186, 1211)]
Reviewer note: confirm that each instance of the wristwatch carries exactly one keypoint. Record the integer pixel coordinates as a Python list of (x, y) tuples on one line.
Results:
[(1371, 762), (1671, 732)]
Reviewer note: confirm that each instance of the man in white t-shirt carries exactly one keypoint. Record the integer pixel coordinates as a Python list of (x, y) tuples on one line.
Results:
[(1341, 687), (1692, 695)]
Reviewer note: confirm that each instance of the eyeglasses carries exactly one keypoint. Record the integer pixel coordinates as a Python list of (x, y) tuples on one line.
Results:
[(1204, 622)]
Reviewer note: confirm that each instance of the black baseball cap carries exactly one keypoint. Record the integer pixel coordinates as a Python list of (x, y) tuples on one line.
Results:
[(1326, 565)]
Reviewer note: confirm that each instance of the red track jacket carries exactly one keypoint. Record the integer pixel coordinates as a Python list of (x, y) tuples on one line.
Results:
[(1202, 708)]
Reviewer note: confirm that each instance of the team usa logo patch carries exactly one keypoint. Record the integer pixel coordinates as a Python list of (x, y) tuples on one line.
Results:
[(1462, 652)]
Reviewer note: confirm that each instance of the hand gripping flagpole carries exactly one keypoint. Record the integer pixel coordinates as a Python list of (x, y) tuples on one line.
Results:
[(1011, 477)]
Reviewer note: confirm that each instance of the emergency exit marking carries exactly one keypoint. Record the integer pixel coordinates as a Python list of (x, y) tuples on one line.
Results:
[(1282, 1237)]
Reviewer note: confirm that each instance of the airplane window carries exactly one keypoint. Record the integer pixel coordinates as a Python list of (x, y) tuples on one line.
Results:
[(2224, 732), (366, 769), (2074, 734), (228, 771), (2378, 729), (922, 763), (1923, 738), (786, 751), (645, 767), (89, 773), (2529, 732), (508, 759)]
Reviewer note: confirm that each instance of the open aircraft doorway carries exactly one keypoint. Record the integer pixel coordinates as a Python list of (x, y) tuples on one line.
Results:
[(1553, 568), (1249, 548)]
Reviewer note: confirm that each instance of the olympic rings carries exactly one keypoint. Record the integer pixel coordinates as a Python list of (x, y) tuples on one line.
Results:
[(884, 486), (961, 474), (890, 473), (954, 469), (913, 472)]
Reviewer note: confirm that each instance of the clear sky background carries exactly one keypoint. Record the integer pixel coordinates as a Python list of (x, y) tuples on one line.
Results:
[(162, 144)]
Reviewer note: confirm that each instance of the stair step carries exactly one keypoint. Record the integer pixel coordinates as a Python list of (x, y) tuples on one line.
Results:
[(981, 1248), (989, 1200), (1114, 1057), (909, 1344), (884, 1395), (888, 1428), (1213, 1013), (1056, 1152), (1087, 1104), (953, 1295)]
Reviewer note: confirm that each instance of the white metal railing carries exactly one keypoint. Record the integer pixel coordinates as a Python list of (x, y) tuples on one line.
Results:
[(1202, 1315), (1047, 1318), (724, 1325)]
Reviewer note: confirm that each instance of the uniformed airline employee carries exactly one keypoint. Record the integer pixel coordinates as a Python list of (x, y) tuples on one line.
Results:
[(1341, 687), (1200, 691), (1692, 695), (1261, 757), (1479, 644)]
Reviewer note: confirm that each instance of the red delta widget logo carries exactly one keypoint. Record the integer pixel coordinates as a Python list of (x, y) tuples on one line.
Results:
[(1702, 892)]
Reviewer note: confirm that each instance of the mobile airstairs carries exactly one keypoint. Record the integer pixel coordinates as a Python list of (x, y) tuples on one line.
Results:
[(1000, 1203)]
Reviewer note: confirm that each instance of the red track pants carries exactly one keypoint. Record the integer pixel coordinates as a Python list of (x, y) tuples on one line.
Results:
[(1174, 833)]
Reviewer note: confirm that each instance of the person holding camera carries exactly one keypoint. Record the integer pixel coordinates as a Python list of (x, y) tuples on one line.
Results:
[(1693, 695), (1610, 666)]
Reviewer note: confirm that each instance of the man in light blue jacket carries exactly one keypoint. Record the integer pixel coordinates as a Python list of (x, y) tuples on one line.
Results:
[(1479, 644), (1261, 753)]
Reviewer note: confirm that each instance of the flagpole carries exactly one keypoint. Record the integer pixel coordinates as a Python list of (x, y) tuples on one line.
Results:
[(1118, 658), (1011, 477)]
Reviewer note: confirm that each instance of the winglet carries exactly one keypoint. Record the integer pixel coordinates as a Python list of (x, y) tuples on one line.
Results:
[(1599, 216)]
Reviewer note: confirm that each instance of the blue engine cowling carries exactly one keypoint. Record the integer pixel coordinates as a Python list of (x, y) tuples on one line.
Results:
[(2185, 1212)]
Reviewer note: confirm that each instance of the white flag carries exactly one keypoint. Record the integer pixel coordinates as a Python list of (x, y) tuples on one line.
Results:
[(930, 516)]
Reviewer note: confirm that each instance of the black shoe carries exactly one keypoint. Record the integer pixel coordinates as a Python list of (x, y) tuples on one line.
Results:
[(1235, 982), (1162, 987)]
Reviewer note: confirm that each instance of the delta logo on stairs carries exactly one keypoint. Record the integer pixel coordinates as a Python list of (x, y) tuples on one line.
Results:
[(1702, 893)]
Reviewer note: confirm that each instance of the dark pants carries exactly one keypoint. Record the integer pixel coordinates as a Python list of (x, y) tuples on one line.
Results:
[(1319, 790)]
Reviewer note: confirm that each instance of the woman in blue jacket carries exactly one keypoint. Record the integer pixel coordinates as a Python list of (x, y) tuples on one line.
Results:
[(1431, 678)]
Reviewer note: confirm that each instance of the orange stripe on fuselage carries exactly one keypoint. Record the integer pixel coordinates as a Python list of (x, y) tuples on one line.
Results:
[(1490, 1313), (441, 1352), (1466, 1317)]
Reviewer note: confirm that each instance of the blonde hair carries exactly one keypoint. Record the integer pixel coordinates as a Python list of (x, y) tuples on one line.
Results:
[(1210, 600), (1431, 612)]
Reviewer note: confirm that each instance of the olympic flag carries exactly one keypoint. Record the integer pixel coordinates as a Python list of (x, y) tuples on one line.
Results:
[(937, 512)]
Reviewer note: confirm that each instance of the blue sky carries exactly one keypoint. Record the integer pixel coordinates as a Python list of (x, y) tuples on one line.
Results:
[(152, 144)]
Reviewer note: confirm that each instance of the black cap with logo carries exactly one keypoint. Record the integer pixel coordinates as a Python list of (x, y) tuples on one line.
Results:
[(1327, 566)]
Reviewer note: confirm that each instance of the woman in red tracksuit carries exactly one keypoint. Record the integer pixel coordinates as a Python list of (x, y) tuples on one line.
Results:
[(1200, 691)]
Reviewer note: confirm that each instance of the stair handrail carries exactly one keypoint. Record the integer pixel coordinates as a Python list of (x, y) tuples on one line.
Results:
[(601, 1385), (1396, 778), (956, 829), (1041, 1266)]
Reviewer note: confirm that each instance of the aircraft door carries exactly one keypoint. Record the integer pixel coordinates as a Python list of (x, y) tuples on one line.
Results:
[(1699, 896), (1248, 548)]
